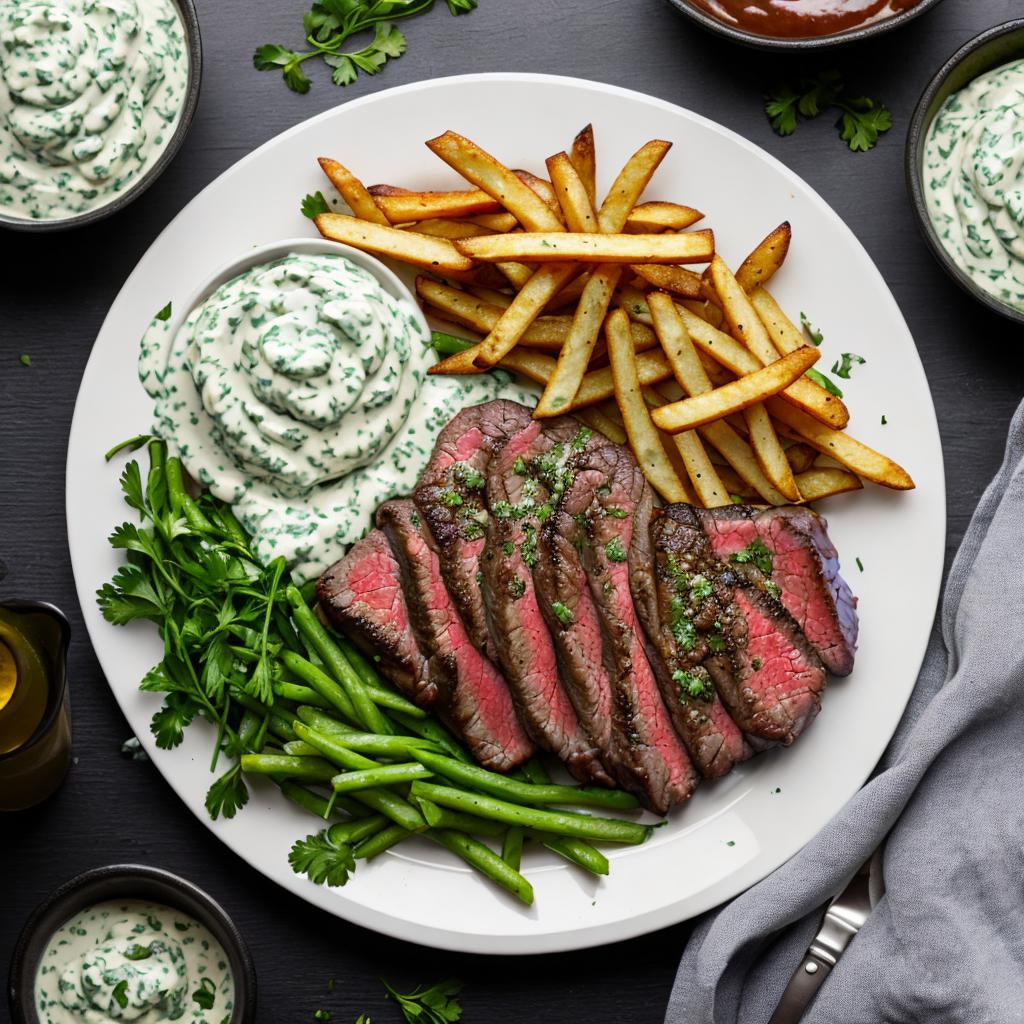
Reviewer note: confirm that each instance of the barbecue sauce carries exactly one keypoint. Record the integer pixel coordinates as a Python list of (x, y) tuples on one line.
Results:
[(796, 19)]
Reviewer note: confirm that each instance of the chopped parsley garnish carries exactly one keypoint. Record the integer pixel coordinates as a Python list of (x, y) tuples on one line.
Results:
[(812, 332), (543, 512), (773, 589), (884, 420), (468, 477), (776, 790), (516, 587), (755, 664), (861, 120), (682, 625), (583, 435), (519, 466), (735, 499), (528, 548), (164, 314), (451, 498), (321, 1015), (472, 529), (700, 589), (716, 644), (755, 553), (615, 512), (692, 687), (507, 548), (860, 564), (314, 204), (25, 359), (614, 550), (842, 366), (563, 614), (827, 383), (205, 994), (730, 842)]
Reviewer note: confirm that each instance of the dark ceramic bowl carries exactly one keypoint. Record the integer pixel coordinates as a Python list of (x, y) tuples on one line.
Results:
[(125, 881), (992, 48), (190, 21), (852, 35)]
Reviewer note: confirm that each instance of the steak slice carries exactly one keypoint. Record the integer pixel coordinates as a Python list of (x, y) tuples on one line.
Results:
[(519, 504), (473, 697), (605, 500), (671, 571), (362, 597), (788, 548), (451, 498)]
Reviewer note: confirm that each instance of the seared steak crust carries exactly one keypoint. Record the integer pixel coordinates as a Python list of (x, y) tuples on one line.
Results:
[(473, 697)]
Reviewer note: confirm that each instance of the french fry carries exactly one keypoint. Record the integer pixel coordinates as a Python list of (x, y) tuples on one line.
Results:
[(516, 273), (353, 191), (551, 246), (744, 323), (401, 206), (495, 221), (543, 188), (594, 416), (706, 311), (769, 451), (443, 227), (492, 296), (737, 395), (653, 217), (571, 193), (824, 482), (597, 385), (801, 458), (436, 254), (643, 437), (584, 158), (848, 451), (533, 365), (741, 458), (672, 279), (487, 173), (769, 254), (786, 337)]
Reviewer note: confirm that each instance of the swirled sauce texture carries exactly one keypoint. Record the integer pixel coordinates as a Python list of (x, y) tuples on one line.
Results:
[(126, 960), (298, 392), (973, 180), (91, 93), (801, 18)]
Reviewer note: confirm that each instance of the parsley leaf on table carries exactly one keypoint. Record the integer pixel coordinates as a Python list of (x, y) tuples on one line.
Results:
[(321, 860), (861, 119), (329, 23), (436, 1005)]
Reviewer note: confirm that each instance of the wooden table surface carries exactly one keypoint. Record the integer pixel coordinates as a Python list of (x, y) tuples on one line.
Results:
[(57, 288)]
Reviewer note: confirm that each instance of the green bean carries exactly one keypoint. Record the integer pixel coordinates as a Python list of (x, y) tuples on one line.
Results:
[(397, 808), (523, 792), (312, 769), (512, 847), (563, 823), (386, 775), (382, 693), (366, 712), (181, 501), (443, 817), (249, 727), (351, 832), (432, 730), (365, 742), (280, 718), (320, 681), (232, 527), (319, 805), (535, 772), (300, 694), (485, 860), (394, 702), (284, 627), (448, 344), (300, 748), (575, 850), (308, 592), (377, 844)]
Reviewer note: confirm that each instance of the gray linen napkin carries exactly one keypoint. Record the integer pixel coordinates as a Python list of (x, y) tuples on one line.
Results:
[(946, 942)]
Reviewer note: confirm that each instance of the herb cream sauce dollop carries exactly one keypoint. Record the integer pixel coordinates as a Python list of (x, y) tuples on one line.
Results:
[(90, 94), (298, 392), (974, 180), (132, 961)]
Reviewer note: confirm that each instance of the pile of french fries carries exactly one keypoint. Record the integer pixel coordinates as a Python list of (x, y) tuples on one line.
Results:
[(703, 374)]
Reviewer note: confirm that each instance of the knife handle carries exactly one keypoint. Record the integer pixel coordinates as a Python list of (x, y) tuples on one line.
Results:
[(801, 990)]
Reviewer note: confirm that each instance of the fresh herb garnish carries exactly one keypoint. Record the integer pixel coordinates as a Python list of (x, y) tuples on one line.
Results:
[(205, 994), (755, 664), (448, 344), (120, 993), (164, 314), (436, 1005), (563, 613), (843, 366), (716, 644), (322, 860), (138, 952), (683, 630), (330, 23), (861, 120), (860, 564), (314, 204), (451, 498), (884, 420), (615, 513), (615, 550), (692, 686), (468, 477), (827, 383), (812, 332), (755, 553), (507, 548), (519, 466), (321, 1015), (516, 587), (25, 359)]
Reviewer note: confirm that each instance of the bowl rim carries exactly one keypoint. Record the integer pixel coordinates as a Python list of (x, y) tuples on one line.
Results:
[(75, 895), (917, 134), (850, 35), (193, 40)]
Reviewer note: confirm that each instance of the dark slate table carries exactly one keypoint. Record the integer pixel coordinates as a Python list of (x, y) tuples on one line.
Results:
[(56, 290)]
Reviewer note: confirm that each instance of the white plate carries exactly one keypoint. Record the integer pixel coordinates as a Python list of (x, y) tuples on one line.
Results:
[(733, 832)]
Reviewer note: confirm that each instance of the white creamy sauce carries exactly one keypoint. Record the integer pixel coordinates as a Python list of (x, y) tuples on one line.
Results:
[(973, 180), (126, 960), (90, 94), (298, 392)]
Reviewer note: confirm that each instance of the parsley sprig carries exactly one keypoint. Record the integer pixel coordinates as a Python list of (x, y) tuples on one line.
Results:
[(435, 1005), (330, 23), (861, 119)]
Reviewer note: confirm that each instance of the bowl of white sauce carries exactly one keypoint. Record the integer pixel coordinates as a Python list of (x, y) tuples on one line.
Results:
[(96, 98), (130, 943), (965, 168)]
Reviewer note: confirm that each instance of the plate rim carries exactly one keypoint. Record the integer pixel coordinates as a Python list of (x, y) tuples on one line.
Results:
[(571, 937)]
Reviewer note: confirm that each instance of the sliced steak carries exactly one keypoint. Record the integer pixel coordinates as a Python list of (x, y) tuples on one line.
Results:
[(451, 498), (789, 549), (671, 570), (362, 597), (473, 697), (605, 501), (519, 504)]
